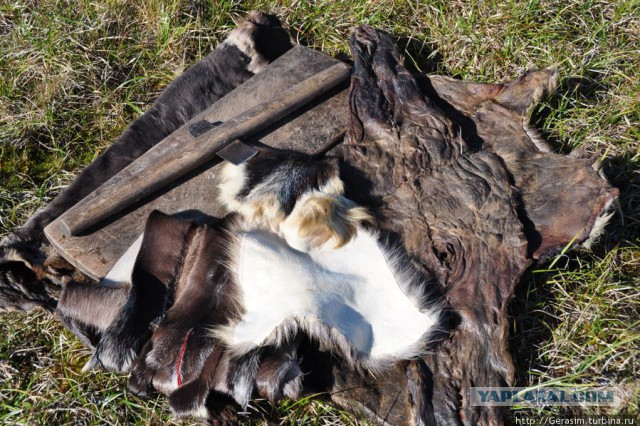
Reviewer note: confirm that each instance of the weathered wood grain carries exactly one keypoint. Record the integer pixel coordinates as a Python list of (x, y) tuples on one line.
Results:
[(178, 155), (194, 196)]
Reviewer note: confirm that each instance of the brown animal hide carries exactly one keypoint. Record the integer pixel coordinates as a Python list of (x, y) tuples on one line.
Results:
[(182, 359), (562, 197), (32, 274), (186, 285), (157, 326), (472, 206)]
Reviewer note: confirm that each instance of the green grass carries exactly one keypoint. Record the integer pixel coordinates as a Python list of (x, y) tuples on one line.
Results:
[(74, 74)]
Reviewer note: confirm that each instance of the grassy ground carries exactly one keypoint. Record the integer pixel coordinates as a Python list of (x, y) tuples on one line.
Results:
[(73, 74)]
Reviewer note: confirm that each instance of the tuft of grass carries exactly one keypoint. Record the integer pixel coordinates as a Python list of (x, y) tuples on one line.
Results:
[(74, 74), (40, 363), (582, 317)]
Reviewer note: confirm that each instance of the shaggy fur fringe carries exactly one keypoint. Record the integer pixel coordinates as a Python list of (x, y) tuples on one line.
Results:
[(332, 339)]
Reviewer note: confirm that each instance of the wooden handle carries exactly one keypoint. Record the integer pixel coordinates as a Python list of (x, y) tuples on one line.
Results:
[(174, 157)]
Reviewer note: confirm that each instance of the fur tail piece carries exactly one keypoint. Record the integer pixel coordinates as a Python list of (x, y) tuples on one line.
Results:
[(261, 37), (20, 290), (320, 218), (190, 400)]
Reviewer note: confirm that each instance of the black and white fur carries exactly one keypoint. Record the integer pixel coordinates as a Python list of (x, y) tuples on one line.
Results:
[(295, 201), (295, 218)]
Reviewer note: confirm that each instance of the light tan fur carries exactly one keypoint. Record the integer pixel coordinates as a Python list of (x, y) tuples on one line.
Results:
[(534, 135), (321, 217), (260, 208)]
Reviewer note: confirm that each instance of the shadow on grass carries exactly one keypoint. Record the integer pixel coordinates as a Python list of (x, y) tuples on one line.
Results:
[(580, 88), (623, 172), (420, 56)]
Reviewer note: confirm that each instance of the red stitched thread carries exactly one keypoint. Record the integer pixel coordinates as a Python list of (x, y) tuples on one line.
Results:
[(180, 356)]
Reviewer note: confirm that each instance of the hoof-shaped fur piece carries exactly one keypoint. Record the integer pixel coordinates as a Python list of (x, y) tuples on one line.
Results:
[(279, 377)]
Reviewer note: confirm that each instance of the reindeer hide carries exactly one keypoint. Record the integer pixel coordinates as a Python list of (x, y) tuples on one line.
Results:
[(472, 205), (31, 272)]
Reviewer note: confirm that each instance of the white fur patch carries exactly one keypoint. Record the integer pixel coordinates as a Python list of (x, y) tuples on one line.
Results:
[(260, 206), (122, 270), (232, 180), (600, 223), (353, 296)]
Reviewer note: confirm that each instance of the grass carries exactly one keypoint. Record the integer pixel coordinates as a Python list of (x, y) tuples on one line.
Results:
[(74, 74)]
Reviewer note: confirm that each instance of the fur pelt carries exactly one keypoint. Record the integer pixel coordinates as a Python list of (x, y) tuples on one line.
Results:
[(32, 275), (257, 41), (475, 196), (304, 259), (187, 296)]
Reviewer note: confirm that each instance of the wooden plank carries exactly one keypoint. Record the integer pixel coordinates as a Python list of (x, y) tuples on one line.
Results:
[(177, 155), (309, 131)]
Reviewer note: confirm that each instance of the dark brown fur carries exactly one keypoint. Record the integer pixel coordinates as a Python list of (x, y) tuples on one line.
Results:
[(280, 375), (454, 201), (156, 270), (202, 297)]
